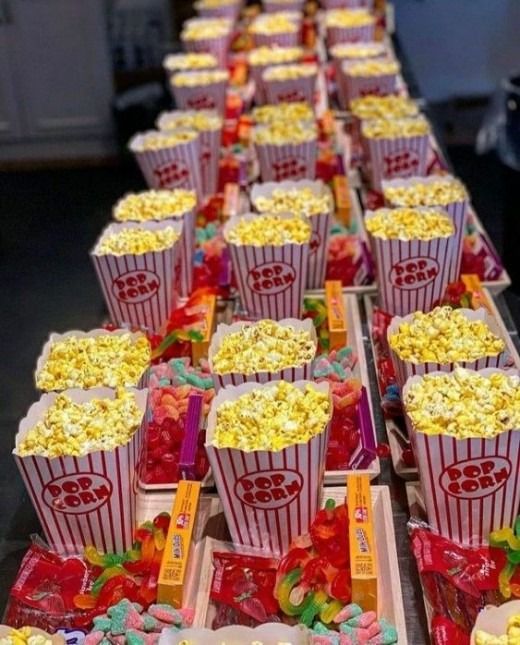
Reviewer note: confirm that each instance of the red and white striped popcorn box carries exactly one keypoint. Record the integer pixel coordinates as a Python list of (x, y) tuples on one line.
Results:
[(229, 10), (405, 369), (207, 96), (287, 160), (470, 486), (338, 60), (359, 86), (94, 333), (411, 275), (348, 4), (290, 90), (173, 63), (396, 157), (255, 72), (269, 497), (218, 46), (210, 143), (271, 279), (172, 167), (302, 372), (321, 223), (139, 290), (457, 210), (275, 6), (285, 39), (83, 500), (359, 34)]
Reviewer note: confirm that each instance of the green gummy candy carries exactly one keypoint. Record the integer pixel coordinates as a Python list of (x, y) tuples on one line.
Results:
[(150, 623), (320, 628), (102, 623), (133, 638)]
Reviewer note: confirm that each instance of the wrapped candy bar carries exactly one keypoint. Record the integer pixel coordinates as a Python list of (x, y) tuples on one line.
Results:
[(411, 250), (262, 57), (168, 159), (173, 63), (310, 198), (200, 90), (349, 26), (98, 358), (208, 35), (271, 114), (445, 191), (463, 427), (269, 253), (442, 339), (276, 29), (290, 83), (263, 351), (77, 453), (286, 150), (209, 124), (135, 264), (266, 445)]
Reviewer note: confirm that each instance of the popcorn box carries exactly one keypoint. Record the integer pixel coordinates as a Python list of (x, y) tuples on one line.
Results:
[(317, 263), (457, 210), (274, 6), (269, 498), (285, 39), (290, 90), (287, 161), (173, 167), (396, 157), (411, 275), (209, 96), (139, 289), (56, 338), (470, 486), (406, 369), (358, 34), (348, 4), (302, 372), (218, 46), (358, 86), (171, 64), (341, 77), (229, 10), (83, 500), (271, 279), (186, 248)]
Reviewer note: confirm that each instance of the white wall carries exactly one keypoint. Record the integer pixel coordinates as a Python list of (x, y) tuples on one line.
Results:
[(459, 47)]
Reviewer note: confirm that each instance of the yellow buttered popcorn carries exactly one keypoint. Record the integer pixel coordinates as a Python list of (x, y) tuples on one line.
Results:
[(269, 229), (348, 18), (155, 140), (214, 4), (369, 67), (383, 107), (409, 224), (391, 128), (438, 192), (358, 50), (105, 360), (202, 28), (196, 78), (25, 636), (272, 113), (154, 205), (301, 200), (444, 335), (511, 637), (464, 404), (274, 23), (191, 60), (283, 132), (289, 72), (265, 346), (136, 241), (272, 418), (200, 120), (273, 55), (70, 429)]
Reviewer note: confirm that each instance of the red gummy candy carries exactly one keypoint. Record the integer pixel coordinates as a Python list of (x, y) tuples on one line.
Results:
[(329, 534)]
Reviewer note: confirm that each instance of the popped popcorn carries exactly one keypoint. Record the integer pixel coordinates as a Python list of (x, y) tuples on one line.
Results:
[(289, 72), (70, 429), (25, 636), (297, 111), (154, 205), (213, 4), (464, 404), (369, 67), (136, 241), (358, 50), (511, 637), (409, 224), (155, 140), (301, 200), (202, 77), (274, 23), (269, 229), (271, 418), (439, 192), (348, 18), (191, 60), (109, 360), (284, 132), (389, 128), (265, 346), (383, 107), (201, 28), (200, 120), (272, 55), (444, 335)]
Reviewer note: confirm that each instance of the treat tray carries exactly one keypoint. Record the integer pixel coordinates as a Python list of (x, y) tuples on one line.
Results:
[(211, 524), (392, 429)]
